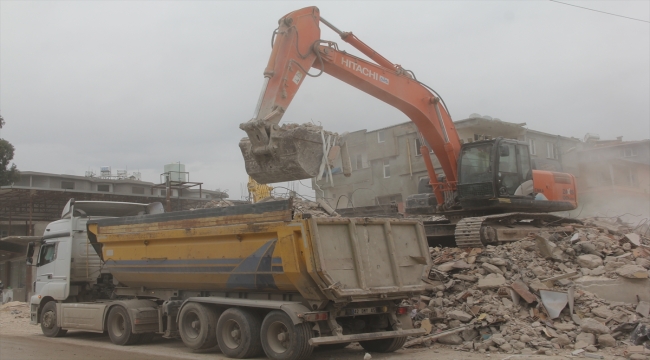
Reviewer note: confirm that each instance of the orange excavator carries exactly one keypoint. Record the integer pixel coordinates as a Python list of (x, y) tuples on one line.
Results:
[(488, 191)]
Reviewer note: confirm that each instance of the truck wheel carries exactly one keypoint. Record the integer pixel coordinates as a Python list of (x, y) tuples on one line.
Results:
[(119, 327), (383, 345), (48, 321), (197, 325), (282, 340), (238, 334)]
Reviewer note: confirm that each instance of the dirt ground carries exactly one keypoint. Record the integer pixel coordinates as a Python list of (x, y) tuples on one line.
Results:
[(20, 340)]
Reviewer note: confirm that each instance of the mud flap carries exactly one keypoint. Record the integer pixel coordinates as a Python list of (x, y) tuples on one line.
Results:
[(275, 154)]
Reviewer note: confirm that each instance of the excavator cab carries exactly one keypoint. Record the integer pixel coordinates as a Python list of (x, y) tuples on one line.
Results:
[(492, 169), (498, 174)]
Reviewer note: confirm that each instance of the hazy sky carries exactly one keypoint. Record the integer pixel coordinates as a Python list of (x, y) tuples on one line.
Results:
[(141, 84)]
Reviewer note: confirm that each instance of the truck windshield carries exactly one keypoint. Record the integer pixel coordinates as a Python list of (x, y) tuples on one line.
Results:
[(476, 164)]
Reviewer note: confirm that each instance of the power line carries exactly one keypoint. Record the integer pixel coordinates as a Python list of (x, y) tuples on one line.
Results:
[(582, 7)]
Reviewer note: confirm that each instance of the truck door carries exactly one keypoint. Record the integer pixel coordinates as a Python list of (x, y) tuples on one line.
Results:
[(53, 269)]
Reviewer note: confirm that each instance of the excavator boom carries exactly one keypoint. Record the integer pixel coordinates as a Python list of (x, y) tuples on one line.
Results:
[(272, 155)]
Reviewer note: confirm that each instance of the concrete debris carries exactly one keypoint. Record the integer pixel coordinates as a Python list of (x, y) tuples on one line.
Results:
[(593, 269)]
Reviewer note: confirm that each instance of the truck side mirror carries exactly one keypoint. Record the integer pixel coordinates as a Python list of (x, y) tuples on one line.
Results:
[(30, 253), (504, 150)]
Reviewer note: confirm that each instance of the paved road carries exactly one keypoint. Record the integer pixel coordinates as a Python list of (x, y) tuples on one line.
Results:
[(82, 346)]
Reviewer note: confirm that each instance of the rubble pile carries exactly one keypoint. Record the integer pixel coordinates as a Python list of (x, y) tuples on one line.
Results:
[(582, 291), (217, 204)]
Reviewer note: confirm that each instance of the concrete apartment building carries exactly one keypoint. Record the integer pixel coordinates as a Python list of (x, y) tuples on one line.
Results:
[(614, 179), (387, 165)]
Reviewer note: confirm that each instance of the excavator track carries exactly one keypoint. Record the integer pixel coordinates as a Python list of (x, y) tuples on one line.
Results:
[(494, 229)]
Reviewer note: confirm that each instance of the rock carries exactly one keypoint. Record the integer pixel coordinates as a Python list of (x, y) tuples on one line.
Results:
[(602, 311), (454, 324), (498, 261), (460, 315), (460, 264), (491, 281), (498, 339), (580, 345), (638, 357), (590, 325), (643, 262), (538, 271), (491, 268), (469, 278), (613, 265), (446, 267), (598, 271), (538, 285), (632, 272), (591, 348), (453, 339), (564, 326), (606, 340), (506, 347), (367, 356), (589, 261), (589, 338), (525, 338), (528, 245), (469, 334), (519, 345), (563, 340)]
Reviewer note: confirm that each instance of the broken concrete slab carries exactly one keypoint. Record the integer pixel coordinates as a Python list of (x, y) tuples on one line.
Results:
[(643, 308), (589, 261), (491, 281), (632, 272), (602, 311), (460, 315), (621, 289), (491, 268), (593, 326)]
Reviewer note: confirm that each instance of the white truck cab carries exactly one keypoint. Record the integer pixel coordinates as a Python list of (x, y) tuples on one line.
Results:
[(68, 267)]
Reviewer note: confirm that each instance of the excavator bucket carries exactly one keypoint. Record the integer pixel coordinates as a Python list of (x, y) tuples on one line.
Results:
[(274, 153)]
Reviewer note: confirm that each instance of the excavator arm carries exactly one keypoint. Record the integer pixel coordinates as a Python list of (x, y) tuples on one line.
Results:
[(298, 48)]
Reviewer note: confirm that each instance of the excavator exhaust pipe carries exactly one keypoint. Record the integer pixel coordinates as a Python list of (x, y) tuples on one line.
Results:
[(274, 153)]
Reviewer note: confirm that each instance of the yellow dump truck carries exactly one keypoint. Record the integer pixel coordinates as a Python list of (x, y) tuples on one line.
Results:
[(252, 279)]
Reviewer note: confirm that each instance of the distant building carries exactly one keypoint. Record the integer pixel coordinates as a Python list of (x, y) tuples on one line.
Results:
[(387, 165), (38, 198), (614, 179)]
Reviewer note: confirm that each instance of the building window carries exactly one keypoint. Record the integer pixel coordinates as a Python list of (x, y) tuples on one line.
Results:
[(104, 188), (381, 137), (68, 185), (386, 168), (551, 151), (418, 145), (163, 192), (358, 161), (629, 152), (531, 147), (631, 177), (137, 190)]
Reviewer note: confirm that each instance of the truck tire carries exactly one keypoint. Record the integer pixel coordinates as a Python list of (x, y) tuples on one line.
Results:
[(48, 321), (383, 345), (119, 327), (238, 333), (282, 340), (197, 325)]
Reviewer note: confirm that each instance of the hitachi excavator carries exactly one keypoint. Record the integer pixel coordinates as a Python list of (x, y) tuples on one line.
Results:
[(488, 192)]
